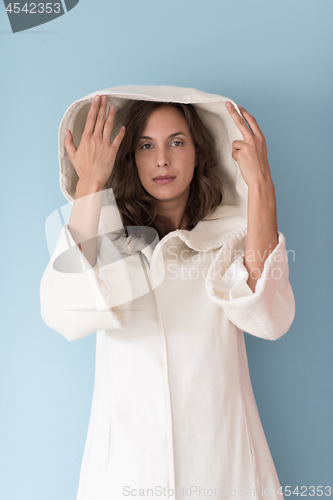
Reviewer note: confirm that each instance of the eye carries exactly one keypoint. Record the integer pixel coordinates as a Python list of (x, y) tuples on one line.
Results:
[(179, 142), (143, 146)]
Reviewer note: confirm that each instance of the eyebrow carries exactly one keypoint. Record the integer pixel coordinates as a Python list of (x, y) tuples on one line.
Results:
[(171, 135)]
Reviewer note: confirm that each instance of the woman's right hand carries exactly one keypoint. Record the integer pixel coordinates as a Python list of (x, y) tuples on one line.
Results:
[(94, 159)]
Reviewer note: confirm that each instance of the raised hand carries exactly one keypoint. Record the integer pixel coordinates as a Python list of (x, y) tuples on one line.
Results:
[(251, 156), (94, 159), (251, 153)]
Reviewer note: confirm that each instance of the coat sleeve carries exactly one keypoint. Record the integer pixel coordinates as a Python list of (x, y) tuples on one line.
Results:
[(269, 311), (77, 299)]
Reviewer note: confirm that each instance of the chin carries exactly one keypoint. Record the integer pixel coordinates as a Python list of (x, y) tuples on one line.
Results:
[(162, 192), (162, 196), (165, 196)]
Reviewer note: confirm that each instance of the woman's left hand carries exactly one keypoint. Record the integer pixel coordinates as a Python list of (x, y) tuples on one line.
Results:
[(251, 153), (251, 156)]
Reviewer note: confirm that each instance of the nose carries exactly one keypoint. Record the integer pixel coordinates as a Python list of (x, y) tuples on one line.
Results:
[(162, 157)]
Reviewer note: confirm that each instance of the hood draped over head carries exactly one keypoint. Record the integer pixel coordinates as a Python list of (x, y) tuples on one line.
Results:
[(231, 215)]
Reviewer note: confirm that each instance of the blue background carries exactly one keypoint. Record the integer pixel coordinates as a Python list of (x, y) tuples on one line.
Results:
[(272, 57)]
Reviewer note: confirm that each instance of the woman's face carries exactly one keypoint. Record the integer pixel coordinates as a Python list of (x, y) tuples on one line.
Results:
[(166, 148)]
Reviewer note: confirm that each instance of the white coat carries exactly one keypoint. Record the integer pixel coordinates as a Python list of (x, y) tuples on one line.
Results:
[(173, 409)]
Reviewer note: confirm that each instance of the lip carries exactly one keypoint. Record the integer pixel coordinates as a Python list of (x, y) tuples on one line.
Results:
[(164, 179)]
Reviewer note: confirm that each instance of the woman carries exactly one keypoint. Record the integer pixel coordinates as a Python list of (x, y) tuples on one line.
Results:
[(173, 412)]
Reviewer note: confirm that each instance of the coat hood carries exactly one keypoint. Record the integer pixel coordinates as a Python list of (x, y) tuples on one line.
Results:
[(230, 216)]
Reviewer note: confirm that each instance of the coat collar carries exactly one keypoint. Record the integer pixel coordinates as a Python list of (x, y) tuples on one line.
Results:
[(210, 233), (213, 231)]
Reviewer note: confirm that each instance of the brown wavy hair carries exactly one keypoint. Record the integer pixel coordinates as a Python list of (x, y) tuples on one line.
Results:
[(136, 206)]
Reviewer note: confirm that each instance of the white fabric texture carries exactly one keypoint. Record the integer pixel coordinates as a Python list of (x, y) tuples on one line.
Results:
[(173, 408)]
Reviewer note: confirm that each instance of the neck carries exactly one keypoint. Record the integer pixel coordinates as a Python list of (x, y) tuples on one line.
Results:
[(174, 210)]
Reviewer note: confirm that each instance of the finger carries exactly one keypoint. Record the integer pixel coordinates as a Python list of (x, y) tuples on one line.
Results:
[(91, 118), (100, 121), (109, 123), (236, 148), (251, 121), (69, 145), (117, 140), (239, 121), (234, 154), (247, 124), (237, 145)]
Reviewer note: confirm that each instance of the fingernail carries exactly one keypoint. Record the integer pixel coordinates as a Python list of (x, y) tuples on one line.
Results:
[(96, 98), (228, 104)]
